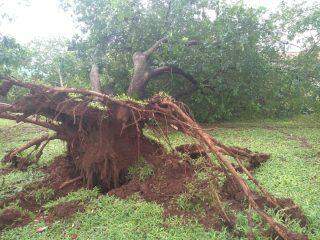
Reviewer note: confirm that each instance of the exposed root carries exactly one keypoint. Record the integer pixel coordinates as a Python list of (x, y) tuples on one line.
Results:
[(13, 157), (66, 183), (196, 131), (104, 138)]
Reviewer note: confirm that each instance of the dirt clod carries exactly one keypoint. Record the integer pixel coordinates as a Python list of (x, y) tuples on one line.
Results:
[(11, 217), (64, 210)]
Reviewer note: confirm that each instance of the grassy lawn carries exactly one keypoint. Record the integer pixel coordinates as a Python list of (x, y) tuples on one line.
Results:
[(293, 171)]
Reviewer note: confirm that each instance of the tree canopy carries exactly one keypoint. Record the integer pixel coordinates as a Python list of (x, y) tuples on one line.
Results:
[(224, 60)]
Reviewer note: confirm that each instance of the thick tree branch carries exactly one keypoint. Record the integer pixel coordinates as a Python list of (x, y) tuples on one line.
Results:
[(95, 78), (175, 70), (18, 118), (19, 83), (34, 142), (155, 46), (5, 107), (5, 88), (56, 90)]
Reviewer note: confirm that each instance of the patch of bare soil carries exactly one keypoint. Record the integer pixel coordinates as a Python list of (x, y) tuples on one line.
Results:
[(59, 172), (11, 218), (64, 210), (170, 180), (302, 140), (166, 185)]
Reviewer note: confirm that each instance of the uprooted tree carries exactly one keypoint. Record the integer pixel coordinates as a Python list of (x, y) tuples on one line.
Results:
[(105, 136)]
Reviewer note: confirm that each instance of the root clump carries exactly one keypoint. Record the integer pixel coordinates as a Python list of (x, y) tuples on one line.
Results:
[(104, 137)]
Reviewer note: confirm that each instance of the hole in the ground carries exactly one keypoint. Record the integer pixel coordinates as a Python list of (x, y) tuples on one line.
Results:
[(123, 178)]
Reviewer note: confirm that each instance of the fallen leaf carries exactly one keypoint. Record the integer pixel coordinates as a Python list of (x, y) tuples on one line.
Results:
[(41, 229)]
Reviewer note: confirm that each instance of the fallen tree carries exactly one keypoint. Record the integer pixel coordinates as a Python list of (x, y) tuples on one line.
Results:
[(105, 136)]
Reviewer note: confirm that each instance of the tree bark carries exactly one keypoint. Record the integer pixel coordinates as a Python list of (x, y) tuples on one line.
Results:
[(143, 73), (60, 77), (95, 78)]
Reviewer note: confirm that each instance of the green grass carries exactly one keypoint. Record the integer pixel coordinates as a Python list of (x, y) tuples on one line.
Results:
[(14, 135), (293, 171), (111, 218), (142, 170), (81, 196)]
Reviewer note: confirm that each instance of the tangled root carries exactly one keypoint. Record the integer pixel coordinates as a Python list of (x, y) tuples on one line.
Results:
[(105, 137)]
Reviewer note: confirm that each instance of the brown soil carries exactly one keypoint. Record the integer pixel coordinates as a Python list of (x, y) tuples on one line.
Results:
[(293, 211), (302, 140), (58, 172), (167, 182), (193, 150), (11, 218), (166, 185), (64, 210)]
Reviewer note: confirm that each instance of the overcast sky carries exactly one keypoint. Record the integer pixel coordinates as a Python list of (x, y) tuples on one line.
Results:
[(44, 19)]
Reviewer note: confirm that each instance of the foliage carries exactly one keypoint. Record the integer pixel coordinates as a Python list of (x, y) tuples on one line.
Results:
[(239, 55), (12, 55), (55, 65)]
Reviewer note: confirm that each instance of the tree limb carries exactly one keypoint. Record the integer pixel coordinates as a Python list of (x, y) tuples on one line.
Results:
[(5, 107), (18, 118), (155, 46), (44, 144), (5, 88), (46, 89), (171, 69), (95, 78), (33, 142)]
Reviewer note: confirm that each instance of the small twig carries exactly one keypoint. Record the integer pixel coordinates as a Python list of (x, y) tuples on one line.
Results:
[(66, 183)]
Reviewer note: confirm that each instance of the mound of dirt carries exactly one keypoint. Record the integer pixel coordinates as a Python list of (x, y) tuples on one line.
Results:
[(64, 210), (169, 180), (11, 217), (193, 150), (58, 173)]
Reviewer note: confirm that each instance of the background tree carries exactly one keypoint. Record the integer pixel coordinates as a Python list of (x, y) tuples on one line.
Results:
[(224, 60), (53, 62)]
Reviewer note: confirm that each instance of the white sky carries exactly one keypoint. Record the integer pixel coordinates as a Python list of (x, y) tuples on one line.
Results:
[(39, 19), (44, 19)]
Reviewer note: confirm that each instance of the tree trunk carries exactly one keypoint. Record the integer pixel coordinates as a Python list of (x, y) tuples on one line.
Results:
[(95, 78), (143, 73), (60, 77)]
